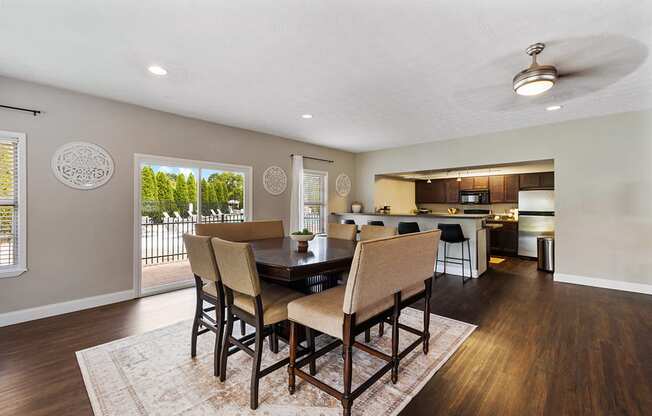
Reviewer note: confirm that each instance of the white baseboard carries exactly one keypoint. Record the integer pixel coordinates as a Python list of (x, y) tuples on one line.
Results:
[(456, 269), (45, 311), (603, 283)]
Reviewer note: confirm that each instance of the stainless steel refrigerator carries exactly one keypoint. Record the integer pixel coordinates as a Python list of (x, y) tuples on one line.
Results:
[(536, 217)]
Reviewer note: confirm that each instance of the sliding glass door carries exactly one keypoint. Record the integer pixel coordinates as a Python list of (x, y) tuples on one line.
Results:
[(173, 195)]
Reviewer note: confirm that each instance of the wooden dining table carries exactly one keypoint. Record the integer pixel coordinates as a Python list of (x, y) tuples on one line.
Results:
[(278, 260)]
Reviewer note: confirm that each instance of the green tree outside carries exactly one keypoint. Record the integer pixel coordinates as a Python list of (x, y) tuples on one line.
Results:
[(165, 196), (191, 186), (181, 195)]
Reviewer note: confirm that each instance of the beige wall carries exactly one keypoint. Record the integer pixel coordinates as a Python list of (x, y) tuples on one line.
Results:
[(603, 175), (80, 243), (399, 194)]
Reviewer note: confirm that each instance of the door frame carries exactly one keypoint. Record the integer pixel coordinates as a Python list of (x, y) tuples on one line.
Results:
[(139, 159)]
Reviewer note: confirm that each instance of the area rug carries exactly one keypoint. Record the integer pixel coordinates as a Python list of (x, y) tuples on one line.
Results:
[(153, 374)]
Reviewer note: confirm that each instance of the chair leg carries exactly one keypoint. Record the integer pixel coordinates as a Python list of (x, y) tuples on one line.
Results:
[(242, 327), (195, 326), (219, 339), (381, 329), (426, 319), (255, 368), (463, 275), (310, 340), (273, 339), (395, 335), (367, 335), (226, 344), (347, 402), (293, 358)]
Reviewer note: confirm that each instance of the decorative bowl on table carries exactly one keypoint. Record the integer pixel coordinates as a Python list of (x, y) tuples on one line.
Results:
[(302, 237)]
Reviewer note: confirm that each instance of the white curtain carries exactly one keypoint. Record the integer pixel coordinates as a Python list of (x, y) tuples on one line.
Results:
[(296, 199)]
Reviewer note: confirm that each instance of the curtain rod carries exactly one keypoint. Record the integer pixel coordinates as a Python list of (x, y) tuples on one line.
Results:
[(35, 112), (316, 158)]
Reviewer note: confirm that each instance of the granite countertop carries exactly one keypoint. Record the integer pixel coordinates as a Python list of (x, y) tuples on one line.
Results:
[(433, 215)]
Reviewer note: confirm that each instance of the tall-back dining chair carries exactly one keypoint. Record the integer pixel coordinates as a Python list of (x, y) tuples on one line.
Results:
[(209, 289), (261, 305), (242, 231), (342, 231), (368, 232), (387, 275)]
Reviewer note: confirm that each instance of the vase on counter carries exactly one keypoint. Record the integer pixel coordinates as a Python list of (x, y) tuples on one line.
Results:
[(356, 207)]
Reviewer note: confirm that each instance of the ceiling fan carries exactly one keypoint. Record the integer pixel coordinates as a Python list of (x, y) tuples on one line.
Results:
[(574, 68)]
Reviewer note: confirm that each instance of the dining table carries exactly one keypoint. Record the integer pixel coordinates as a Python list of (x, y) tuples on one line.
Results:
[(278, 260)]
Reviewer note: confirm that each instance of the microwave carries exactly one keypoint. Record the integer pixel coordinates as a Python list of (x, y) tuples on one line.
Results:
[(474, 197)]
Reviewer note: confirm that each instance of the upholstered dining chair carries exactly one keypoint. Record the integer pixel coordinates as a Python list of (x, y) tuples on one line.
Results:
[(245, 231), (387, 275), (209, 289), (260, 304), (368, 232), (242, 231), (342, 231)]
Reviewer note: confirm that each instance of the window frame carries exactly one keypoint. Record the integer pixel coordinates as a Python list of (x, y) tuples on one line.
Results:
[(20, 266), (139, 160), (324, 197)]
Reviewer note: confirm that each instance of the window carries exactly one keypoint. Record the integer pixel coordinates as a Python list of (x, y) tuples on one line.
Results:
[(12, 204), (173, 195), (315, 207)]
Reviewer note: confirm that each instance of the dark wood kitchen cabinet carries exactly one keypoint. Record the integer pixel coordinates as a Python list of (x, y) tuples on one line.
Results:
[(497, 189), (480, 182), (539, 180), (466, 184), (504, 241), (503, 189), (452, 191), (430, 193), (511, 188), (474, 182)]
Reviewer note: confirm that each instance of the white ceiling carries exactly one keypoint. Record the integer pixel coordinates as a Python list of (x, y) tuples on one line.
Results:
[(374, 73)]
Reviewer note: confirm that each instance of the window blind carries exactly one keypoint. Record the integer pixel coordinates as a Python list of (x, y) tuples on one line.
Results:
[(312, 185), (9, 209)]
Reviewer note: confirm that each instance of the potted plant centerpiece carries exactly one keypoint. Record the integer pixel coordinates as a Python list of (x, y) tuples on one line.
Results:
[(302, 237)]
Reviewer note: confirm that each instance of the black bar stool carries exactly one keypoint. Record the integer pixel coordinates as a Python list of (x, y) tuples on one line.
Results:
[(408, 227), (349, 222), (452, 234), (371, 222)]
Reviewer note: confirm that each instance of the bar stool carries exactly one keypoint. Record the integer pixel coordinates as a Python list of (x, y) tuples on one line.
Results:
[(376, 222), (349, 222), (408, 227), (452, 234)]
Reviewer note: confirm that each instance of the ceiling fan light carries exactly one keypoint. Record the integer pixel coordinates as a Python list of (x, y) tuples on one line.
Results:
[(534, 87)]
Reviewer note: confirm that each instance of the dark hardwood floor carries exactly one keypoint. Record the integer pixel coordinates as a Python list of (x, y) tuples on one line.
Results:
[(541, 348)]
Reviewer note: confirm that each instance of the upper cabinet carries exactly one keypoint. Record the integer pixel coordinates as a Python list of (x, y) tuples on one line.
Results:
[(474, 182), (452, 191), (480, 182), (503, 189), (438, 191), (541, 180)]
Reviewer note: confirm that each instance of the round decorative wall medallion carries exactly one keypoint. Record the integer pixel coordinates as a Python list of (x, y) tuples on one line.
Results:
[(275, 180), (343, 184), (82, 165)]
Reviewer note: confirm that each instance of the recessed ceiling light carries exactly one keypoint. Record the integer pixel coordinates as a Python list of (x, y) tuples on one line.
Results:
[(553, 108), (157, 70), (306, 116)]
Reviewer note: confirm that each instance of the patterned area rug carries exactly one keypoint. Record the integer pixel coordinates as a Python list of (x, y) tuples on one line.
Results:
[(153, 374)]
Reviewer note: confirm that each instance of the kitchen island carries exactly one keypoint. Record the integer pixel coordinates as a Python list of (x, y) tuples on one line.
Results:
[(472, 227)]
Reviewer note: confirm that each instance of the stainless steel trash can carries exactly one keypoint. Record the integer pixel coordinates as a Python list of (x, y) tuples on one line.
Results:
[(546, 253)]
